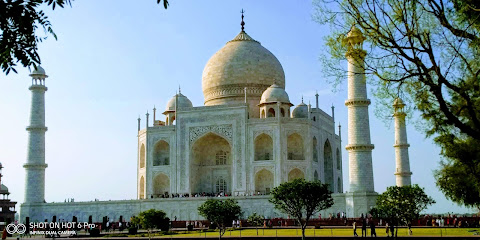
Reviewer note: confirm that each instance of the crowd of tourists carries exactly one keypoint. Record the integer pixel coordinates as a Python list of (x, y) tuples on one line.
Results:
[(206, 194), (439, 221), (187, 195), (449, 220)]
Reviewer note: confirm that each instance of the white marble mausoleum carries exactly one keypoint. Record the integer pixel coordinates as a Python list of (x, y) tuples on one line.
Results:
[(246, 139)]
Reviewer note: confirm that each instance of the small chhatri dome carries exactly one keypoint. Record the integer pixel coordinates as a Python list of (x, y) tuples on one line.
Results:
[(4, 189), (355, 36), (181, 100), (398, 106), (274, 94), (300, 111), (38, 72), (398, 103)]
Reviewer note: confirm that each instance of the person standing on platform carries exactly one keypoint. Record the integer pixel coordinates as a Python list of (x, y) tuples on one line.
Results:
[(364, 227), (387, 229), (355, 229), (372, 228), (392, 229)]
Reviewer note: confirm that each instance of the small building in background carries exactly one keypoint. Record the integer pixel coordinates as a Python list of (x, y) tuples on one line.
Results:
[(7, 207)]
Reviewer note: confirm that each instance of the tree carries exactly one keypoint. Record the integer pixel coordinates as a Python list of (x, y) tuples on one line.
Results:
[(151, 219), (220, 212), (301, 199), (18, 24), (426, 52), (401, 204), (458, 174), (255, 220)]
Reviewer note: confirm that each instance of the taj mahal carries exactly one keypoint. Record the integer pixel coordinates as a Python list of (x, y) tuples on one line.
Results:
[(247, 138)]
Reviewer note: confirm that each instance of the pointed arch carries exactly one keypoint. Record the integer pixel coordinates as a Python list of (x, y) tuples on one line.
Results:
[(141, 192), (328, 165), (271, 112), (161, 185), (161, 153), (315, 149), (263, 181), (211, 157), (295, 174), (263, 113), (295, 147), (315, 176), (142, 156), (263, 147), (339, 160), (282, 112), (339, 185)]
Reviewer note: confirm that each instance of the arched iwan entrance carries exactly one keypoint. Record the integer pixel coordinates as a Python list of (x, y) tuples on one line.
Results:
[(161, 185), (328, 165), (339, 160), (339, 185), (295, 174), (141, 192), (211, 165), (263, 147), (142, 156), (263, 182), (295, 147), (161, 154)]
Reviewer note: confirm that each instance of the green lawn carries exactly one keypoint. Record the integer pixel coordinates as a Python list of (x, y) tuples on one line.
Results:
[(328, 232)]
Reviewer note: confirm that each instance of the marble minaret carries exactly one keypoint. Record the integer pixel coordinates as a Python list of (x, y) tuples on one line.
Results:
[(361, 196), (35, 166), (359, 145), (402, 163)]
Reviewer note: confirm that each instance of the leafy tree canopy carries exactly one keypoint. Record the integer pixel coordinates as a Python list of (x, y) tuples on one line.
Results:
[(401, 204), (301, 199), (152, 219), (459, 174), (255, 220), (18, 24), (220, 212), (426, 52)]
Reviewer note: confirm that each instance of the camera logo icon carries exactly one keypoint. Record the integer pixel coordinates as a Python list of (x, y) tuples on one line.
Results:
[(16, 228)]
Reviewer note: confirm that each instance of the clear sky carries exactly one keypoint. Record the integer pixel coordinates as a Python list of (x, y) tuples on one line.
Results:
[(114, 60)]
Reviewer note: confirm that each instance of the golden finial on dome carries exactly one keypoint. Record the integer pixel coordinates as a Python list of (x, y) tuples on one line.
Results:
[(242, 23)]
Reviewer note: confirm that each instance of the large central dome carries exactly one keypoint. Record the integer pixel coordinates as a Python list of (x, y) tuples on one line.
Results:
[(241, 63)]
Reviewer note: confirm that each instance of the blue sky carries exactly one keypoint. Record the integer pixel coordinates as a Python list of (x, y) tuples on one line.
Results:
[(114, 60)]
